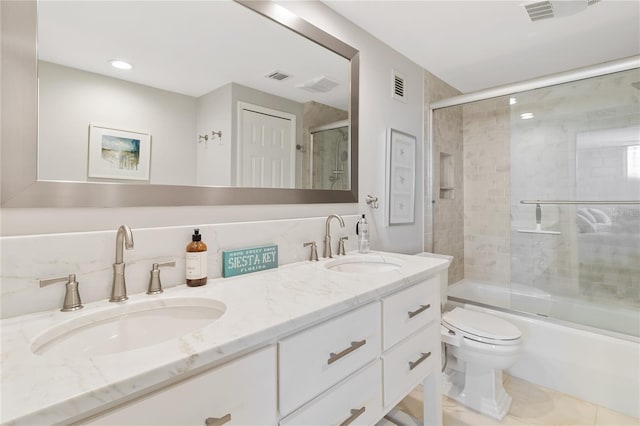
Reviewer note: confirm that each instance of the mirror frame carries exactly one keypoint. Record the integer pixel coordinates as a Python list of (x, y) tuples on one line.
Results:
[(20, 187)]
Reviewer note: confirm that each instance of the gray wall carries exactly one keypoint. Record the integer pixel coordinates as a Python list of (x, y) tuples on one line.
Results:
[(89, 98)]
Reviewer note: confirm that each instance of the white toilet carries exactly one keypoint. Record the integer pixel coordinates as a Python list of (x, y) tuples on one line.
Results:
[(478, 347)]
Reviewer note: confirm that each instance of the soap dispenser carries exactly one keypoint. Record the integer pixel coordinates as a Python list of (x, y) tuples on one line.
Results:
[(196, 260), (362, 230)]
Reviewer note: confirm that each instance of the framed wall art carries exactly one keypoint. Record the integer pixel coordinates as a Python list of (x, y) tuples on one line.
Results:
[(118, 154), (401, 169)]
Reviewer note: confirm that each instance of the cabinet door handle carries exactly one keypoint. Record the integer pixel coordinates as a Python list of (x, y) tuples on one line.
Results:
[(414, 364), (333, 357), (354, 415), (419, 311), (218, 421)]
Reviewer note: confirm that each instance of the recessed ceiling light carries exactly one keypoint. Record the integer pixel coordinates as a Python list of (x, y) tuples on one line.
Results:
[(513, 101), (526, 115), (120, 64)]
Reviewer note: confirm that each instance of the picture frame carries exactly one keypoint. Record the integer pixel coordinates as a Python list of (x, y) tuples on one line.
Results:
[(401, 172), (118, 153)]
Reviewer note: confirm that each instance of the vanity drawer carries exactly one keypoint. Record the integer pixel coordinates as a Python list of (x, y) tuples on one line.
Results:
[(407, 363), (359, 399), (241, 392), (409, 310), (318, 358)]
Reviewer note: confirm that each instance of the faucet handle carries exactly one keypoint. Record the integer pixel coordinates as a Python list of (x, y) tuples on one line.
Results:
[(313, 254), (341, 250), (155, 286), (72, 300)]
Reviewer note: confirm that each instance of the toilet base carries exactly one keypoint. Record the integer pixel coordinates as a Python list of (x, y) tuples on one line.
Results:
[(478, 388)]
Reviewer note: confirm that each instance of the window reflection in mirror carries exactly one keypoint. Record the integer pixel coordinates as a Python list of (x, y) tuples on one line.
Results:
[(226, 97)]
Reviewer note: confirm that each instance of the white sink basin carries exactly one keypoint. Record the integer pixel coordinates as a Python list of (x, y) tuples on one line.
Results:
[(364, 264), (127, 326)]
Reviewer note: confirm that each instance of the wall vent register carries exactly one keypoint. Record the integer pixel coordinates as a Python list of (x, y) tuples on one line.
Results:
[(398, 88)]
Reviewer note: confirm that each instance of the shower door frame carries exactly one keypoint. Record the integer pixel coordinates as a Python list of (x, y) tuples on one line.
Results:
[(598, 70)]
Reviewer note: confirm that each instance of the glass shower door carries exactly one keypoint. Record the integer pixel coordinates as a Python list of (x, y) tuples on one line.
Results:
[(330, 158), (575, 241)]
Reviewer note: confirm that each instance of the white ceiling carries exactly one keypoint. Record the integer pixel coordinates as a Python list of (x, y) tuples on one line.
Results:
[(474, 45), (194, 47)]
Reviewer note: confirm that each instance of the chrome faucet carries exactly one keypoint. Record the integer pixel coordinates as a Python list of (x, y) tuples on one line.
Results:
[(327, 234), (119, 288)]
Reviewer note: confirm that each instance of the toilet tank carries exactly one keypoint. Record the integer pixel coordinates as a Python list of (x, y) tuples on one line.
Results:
[(444, 276)]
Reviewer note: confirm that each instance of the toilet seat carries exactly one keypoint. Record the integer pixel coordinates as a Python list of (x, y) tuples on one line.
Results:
[(481, 327)]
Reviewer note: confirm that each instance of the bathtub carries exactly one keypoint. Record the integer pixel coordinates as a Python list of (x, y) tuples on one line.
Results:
[(621, 321), (594, 364)]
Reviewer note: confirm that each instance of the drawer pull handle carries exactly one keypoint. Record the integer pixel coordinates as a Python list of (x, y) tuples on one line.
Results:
[(333, 357), (354, 415), (217, 421), (419, 311), (414, 364)]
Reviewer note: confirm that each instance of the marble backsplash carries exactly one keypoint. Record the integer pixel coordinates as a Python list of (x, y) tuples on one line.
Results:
[(90, 255)]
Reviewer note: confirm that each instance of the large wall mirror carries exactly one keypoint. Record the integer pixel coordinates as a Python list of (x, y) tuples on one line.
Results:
[(220, 102)]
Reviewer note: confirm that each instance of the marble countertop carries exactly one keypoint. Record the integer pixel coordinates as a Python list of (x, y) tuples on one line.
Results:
[(260, 308)]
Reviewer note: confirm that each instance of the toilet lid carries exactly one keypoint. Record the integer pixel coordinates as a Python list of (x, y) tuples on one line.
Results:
[(480, 326)]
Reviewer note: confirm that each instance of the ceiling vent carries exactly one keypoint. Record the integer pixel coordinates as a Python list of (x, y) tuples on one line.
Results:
[(539, 10), (318, 85), (278, 75), (398, 90), (557, 8)]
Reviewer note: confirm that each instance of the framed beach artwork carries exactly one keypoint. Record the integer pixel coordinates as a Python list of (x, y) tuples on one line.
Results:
[(118, 154), (401, 166)]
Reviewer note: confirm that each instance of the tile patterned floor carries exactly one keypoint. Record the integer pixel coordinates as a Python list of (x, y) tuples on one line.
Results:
[(532, 405)]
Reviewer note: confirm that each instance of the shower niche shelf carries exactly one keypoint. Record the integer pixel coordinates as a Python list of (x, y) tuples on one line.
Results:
[(447, 187)]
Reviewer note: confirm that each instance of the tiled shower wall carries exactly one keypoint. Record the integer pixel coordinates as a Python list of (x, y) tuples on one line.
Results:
[(487, 191), (447, 236)]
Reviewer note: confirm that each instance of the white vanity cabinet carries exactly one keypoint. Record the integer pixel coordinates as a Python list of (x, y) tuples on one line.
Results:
[(409, 310), (348, 369), (381, 351), (410, 361), (240, 392), (317, 358), (357, 401), (411, 345)]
